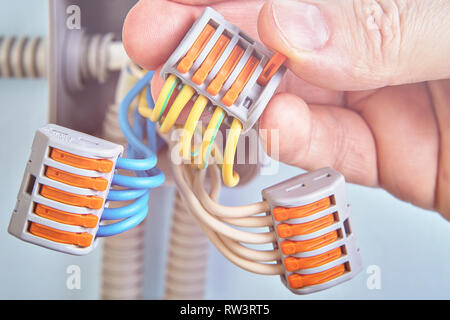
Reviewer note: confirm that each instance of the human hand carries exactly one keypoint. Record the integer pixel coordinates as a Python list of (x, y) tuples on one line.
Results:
[(356, 97)]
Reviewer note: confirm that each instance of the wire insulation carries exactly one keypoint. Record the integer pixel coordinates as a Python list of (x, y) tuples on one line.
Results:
[(230, 177), (147, 177)]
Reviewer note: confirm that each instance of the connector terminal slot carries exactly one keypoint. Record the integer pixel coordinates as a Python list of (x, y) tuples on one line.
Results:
[(64, 189), (311, 219), (227, 66)]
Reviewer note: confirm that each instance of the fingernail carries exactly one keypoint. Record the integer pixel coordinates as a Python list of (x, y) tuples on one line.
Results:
[(301, 24)]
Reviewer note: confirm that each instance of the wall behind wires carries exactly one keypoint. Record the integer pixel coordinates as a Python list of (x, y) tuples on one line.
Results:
[(28, 271), (409, 245)]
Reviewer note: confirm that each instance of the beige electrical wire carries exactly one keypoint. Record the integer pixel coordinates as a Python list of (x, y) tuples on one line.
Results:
[(225, 238), (213, 222), (218, 223), (253, 254), (230, 215), (248, 258), (220, 210)]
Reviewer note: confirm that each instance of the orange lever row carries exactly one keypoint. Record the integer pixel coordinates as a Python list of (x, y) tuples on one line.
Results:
[(271, 68), (82, 220), (240, 82), (294, 263), (288, 230), (225, 71), (102, 165), (284, 213), (214, 55), (94, 183), (79, 239), (297, 281), (291, 247), (197, 47), (92, 202)]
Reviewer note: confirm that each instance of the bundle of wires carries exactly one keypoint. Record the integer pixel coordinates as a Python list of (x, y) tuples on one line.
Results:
[(140, 160), (167, 122), (221, 224)]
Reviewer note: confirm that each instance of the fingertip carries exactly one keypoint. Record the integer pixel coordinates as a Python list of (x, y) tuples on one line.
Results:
[(303, 63), (321, 46), (131, 34), (154, 28), (282, 108), (287, 122), (268, 31)]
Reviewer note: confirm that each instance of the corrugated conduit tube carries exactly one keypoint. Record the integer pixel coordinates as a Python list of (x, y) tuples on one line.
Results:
[(123, 255), (188, 256)]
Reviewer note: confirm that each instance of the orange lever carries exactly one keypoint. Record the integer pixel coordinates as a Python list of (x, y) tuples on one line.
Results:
[(82, 220), (240, 82), (283, 213), (197, 47), (271, 67), (297, 281), (74, 160), (290, 247), (92, 202), (79, 239), (294, 263), (225, 71), (214, 55), (288, 230), (98, 184)]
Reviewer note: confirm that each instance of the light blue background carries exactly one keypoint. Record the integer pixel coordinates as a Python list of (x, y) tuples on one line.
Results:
[(410, 245)]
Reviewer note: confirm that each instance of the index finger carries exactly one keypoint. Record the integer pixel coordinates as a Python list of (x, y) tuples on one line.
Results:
[(154, 28)]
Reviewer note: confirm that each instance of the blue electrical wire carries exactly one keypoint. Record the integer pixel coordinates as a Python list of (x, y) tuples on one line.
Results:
[(154, 141), (125, 195), (138, 129), (126, 211), (148, 176)]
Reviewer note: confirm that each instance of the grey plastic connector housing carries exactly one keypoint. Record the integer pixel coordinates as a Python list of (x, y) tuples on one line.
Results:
[(306, 189), (74, 142), (253, 99)]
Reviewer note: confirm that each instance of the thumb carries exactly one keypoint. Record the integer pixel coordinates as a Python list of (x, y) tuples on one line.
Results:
[(352, 45)]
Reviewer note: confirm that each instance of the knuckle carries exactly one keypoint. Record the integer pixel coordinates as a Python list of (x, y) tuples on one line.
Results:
[(379, 24)]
